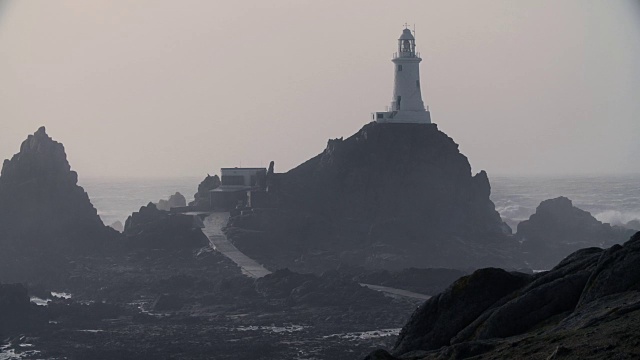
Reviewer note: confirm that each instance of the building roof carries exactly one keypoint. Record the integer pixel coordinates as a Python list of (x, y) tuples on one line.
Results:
[(406, 35), (244, 168)]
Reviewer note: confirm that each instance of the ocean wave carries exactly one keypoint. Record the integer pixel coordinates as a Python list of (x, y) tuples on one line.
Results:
[(615, 217)]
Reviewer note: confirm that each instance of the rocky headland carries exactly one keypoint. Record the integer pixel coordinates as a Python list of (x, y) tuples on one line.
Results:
[(390, 196)]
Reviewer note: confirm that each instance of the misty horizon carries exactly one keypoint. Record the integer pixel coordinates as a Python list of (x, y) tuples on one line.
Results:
[(180, 90)]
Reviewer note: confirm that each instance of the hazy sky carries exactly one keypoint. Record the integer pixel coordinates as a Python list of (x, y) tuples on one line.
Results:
[(172, 88)]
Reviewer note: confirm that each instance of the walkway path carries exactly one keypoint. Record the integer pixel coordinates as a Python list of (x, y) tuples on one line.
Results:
[(213, 225), (398, 292)]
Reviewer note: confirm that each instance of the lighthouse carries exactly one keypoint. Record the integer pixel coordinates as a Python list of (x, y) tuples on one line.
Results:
[(406, 105)]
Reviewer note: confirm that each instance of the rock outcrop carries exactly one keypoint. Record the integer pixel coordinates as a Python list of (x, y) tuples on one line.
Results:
[(558, 228), (158, 229), (589, 293), (391, 196), (175, 200), (44, 214), (201, 198)]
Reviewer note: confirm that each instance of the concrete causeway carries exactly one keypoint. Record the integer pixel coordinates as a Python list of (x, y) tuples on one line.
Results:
[(213, 225)]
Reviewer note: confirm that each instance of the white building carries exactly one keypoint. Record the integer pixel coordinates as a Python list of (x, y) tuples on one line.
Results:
[(406, 105), (236, 187)]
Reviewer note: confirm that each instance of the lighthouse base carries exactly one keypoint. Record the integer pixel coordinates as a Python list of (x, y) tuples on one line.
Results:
[(403, 117)]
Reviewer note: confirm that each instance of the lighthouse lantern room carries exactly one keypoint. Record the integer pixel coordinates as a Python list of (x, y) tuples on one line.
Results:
[(406, 105)]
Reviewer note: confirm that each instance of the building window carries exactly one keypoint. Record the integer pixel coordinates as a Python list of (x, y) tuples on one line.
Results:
[(380, 115), (399, 67)]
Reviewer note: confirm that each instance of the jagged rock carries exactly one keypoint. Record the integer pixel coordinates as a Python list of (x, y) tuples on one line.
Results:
[(391, 196), (558, 228), (45, 216), (440, 318), (201, 198), (14, 306), (40, 201), (153, 228), (175, 200)]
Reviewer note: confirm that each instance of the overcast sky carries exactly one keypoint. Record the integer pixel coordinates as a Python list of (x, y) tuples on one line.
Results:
[(182, 88)]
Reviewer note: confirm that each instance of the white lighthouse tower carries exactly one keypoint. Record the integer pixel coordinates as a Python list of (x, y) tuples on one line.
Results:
[(406, 105)]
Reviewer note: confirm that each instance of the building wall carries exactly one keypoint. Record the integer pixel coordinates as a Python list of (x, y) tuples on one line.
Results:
[(407, 85)]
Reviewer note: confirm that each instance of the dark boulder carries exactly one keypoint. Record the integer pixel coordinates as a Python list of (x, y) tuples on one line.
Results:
[(558, 228), (158, 229), (440, 318)]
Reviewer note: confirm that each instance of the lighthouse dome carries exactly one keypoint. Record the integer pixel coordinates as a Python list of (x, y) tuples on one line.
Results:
[(406, 35)]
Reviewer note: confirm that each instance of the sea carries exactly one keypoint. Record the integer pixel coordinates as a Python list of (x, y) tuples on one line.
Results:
[(610, 199)]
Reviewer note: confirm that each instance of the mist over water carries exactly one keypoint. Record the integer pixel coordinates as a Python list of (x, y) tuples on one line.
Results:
[(116, 198), (611, 199)]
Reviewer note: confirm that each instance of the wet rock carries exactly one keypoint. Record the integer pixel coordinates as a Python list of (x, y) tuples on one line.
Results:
[(158, 229), (440, 318), (558, 228)]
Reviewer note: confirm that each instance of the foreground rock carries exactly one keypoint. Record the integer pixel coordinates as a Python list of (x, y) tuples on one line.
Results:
[(592, 294), (44, 214), (558, 228), (158, 229), (390, 196)]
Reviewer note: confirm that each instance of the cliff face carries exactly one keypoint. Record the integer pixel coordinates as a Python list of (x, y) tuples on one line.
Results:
[(42, 209), (396, 191), (558, 228)]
